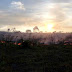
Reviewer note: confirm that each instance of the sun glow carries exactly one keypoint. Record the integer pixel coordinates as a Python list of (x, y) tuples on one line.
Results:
[(50, 27)]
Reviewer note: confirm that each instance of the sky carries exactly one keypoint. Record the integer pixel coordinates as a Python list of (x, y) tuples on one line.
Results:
[(26, 14)]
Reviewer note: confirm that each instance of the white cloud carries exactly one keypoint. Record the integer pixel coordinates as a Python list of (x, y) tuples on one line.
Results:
[(17, 5)]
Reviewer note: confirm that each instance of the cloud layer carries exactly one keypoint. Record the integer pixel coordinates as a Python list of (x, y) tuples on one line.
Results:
[(17, 5), (25, 14)]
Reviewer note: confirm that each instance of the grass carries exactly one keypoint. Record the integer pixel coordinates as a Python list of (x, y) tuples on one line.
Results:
[(52, 58)]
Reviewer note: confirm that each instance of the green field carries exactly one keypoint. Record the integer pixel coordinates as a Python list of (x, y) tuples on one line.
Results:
[(52, 58)]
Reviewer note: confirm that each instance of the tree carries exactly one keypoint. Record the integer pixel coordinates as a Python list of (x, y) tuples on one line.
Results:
[(28, 31), (35, 29), (8, 29)]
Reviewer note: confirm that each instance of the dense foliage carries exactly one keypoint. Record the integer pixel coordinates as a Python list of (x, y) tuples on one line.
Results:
[(38, 58)]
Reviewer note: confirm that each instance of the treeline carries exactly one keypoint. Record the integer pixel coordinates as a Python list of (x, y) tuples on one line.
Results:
[(41, 38)]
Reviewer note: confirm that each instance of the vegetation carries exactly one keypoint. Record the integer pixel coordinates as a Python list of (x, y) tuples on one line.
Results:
[(35, 58), (32, 55)]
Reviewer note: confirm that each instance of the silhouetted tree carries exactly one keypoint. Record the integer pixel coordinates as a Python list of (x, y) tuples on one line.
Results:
[(28, 31), (14, 29), (35, 29), (8, 29)]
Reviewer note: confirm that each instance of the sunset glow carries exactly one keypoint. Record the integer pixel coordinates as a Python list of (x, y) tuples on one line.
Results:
[(47, 15), (36, 35), (50, 27)]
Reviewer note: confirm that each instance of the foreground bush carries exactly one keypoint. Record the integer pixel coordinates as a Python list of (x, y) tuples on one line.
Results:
[(52, 58)]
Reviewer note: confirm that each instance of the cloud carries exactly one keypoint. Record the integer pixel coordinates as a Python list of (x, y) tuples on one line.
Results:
[(61, 1), (17, 5), (1, 11), (38, 13)]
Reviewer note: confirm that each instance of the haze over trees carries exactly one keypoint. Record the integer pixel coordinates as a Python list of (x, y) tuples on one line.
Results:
[(46, 38)]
